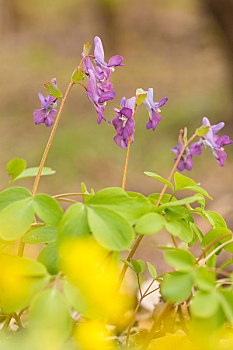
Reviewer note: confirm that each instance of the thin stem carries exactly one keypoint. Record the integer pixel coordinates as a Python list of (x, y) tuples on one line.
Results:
[(66, 200), (139, 286), (154, 290), (21, 248), (69, 195), (175, 166), (174, 241), (217, 249), (210, 245), (18, 321), (156, 323), (136, 310), (138, 240), (127, 154), (7, 322), (37, 179), (131, 254)]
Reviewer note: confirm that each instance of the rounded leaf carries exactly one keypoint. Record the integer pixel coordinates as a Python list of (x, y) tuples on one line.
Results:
[(150, 223), (177, 286), (47, 209), (20, 280), (49, 257), (15, 167), (180, 259), (110, 230), (49, 313), (16, 219), (41, 235), (204, 305), (12, 195)]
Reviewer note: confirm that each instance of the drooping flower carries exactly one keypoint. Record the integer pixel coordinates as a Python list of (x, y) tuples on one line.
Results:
[(213, 141), (186, 161), (99, 88), (153, 109), (124, 123), (99, 56), (98, 95), (47, 113)]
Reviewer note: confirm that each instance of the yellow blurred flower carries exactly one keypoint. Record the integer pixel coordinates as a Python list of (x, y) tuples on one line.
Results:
[(90, 268), (92, 335)]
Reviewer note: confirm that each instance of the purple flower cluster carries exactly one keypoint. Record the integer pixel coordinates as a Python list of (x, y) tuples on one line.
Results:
[(124, 122), (99, 88), (210, 140), (47, 113)]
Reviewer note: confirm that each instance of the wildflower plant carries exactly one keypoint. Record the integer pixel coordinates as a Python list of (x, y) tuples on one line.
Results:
[(75, 295)]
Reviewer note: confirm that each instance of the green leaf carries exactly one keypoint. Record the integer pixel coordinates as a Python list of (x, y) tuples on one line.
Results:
[(204, 305), (160, 178), (110, 229), (177, 286), (173, 227), (129, 264), (74, 297), (165, 199), (141, 95), (229, 247), (73, 224), (214, 235), (183, 201), (152, 270), (16, 219), (178, 212), (214, 219), (32, 172), (12, 195), (47, 209), (86, 49), (204, 279), (198, 189), (182, 181), (203, 130), (15, 167), (197, 231), (180, 259), (142, 265), (49, 258), (41, 235), (20, 280), (225, 298), (136, 266), (150, 223), (77, 75), (53, 90), (129, 205), (49, 314), (186, 233)]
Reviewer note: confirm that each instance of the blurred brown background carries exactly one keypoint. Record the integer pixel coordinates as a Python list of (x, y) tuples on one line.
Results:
[(183, 49)]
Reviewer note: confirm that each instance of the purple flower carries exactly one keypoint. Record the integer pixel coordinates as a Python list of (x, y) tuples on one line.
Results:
[(99, 56), (47, 113), (213, 141), (153, 109), (124, 123), (186, 161), (99, 94)]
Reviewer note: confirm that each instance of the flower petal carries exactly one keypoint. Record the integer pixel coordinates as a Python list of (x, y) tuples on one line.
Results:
[(115, 61)]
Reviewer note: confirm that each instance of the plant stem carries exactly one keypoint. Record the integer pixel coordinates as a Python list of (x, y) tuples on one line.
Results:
[(217, 249), (156, 323), (37, 179), (136, 310), (140, 237), (127, 154), (7, 322)]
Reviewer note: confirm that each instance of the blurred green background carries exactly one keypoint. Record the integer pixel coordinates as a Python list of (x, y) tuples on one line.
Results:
[(182, 48)]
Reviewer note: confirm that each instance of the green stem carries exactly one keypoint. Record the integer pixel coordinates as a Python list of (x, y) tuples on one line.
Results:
[(140, 237)]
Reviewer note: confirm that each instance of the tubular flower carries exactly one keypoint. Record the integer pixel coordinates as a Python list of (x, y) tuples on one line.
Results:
[(99, 56), (99, 88), (186, 161), (153, 109), (124, 123), (213, 141), (98, 95), (47, 113)]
